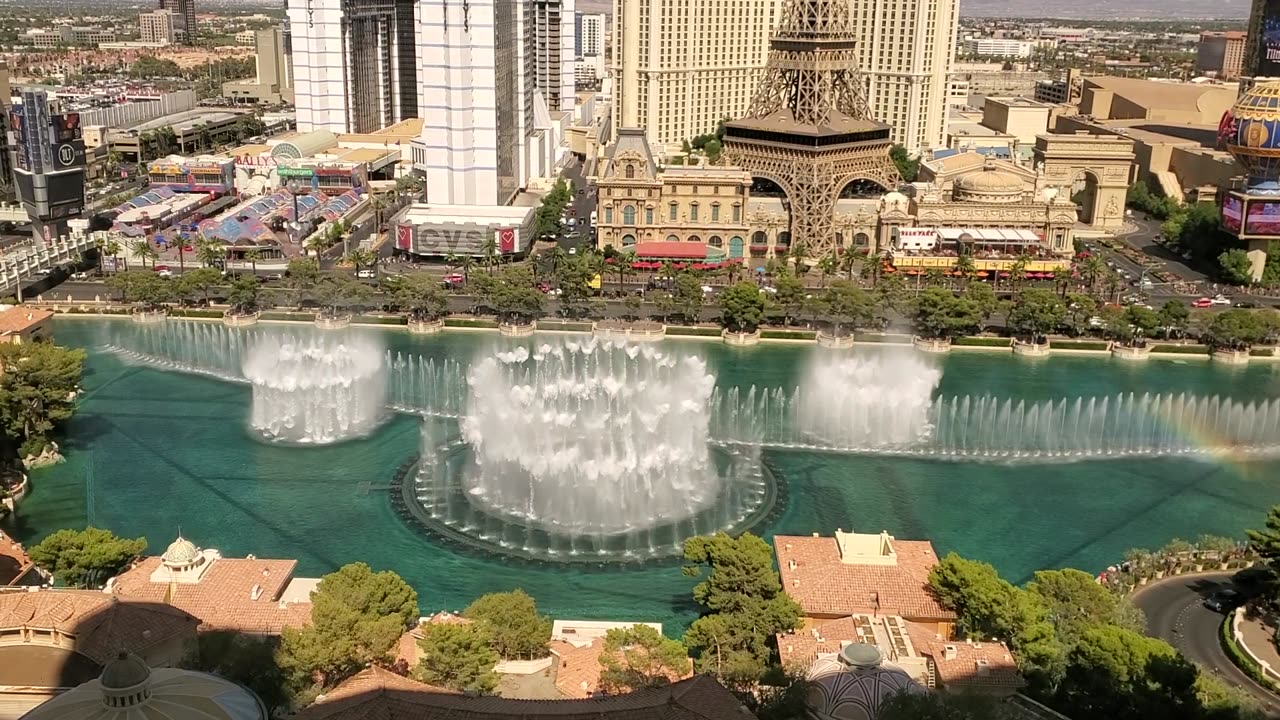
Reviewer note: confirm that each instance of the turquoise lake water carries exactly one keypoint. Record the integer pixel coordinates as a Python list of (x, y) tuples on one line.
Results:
[(151, 451)]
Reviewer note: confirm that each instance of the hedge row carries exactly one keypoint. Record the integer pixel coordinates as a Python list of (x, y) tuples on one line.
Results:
[(1241, 660), (1262, 352), (696, 331), (1078, 345), (195, 313), (564, 326), (882, 338), (786, 334), (982, 342), (290, 316), (470, 323), (1181, 349), (380, 320)]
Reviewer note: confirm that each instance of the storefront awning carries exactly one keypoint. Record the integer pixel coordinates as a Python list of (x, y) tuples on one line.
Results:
[(691, 251)]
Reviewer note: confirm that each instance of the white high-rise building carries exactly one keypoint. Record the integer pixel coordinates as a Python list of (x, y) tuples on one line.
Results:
[(492, 74), (681, 66), (156, 27), (353, 63), (905, 50), (588, 35)]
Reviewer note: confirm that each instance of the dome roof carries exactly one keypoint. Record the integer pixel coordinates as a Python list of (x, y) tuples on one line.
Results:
[(181, 552), (1251, 130), (171, 695), (989, 181), (126, 671), (838, 690)]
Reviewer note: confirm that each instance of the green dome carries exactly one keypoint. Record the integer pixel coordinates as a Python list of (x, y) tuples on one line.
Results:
[(181, 552)]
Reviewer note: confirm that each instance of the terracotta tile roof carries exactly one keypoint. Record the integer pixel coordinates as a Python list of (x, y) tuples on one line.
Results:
[(14, 562), (698, 698), (102, 624), (577, 668), (823, 585), (960, 669), (223, 597), (376, 680), (801, 648), (17, 320)]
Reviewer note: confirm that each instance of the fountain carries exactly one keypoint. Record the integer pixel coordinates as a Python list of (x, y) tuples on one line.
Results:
[(867, 401), (315, 390)]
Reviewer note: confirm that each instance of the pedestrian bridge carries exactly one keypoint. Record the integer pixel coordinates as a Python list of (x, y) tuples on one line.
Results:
[(20, 262)]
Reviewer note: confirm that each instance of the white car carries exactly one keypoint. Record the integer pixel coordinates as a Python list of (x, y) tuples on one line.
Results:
[(1220, 300), (707, 289), (366, 274)]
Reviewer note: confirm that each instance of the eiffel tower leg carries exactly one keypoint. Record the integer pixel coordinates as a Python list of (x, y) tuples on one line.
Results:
[(812, 212)]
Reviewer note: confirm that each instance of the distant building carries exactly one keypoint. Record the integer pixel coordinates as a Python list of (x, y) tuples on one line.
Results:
[(1060, 92), (66, 35), (1022, 118), (246, 595), (272, 83), (588, 34), (184, 12), (1104, 97), (156, 27), (20, 325), (49, 164), (1221, 54), (576, 647), (997, 47)]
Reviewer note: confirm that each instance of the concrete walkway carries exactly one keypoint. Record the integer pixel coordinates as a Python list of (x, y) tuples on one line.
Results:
[(1258, 635)]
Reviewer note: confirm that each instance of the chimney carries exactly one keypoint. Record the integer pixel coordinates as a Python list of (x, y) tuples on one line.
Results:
[(791, 564), (982, 666), (949, 652), (795, 582), (788, 546), (255, 592)]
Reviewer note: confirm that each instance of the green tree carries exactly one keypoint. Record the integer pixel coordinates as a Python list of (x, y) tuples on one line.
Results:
[(243, 296), (144, 251), (357, 616), (301, 277), (201, 280), (420, 295), (940, 314), (743, 605), (1237, 329), (513, 295), (337, 291), (908, 167), (742, 307), (1236, 267), (458, 657), (210, 253), (511, 619), (1075, 601), (85, 558), (984, 300), (789, 295), (1081, 308), (1266, 541), (37, 391), (1116, 672), (1036, 313), (907, 705), (848, 305), (1174, 316), (688, 296), (242, 659), (640, 657)]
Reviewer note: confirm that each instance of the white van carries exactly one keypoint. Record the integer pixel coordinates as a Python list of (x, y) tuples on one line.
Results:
[(593, 218)]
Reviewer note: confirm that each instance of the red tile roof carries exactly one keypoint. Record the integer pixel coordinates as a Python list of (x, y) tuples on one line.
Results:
[(14, 562), (577, 668), (698, 698), (375, 680), (223, 597), (671, 250), (102, 624), (17, 320), (824, 585), (801, 648), (963, 671)]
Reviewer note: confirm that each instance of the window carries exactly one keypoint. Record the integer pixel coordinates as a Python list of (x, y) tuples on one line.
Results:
[(693, 212), (715, 241), (648, 216), (608, 215), (737, 213), (695, 239), (628, 239), (631, 172), (715, 212), (628, 215), (672, 238), (671, 212)]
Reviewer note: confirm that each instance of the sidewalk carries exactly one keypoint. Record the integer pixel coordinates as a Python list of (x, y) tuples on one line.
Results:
[(1258, 636)]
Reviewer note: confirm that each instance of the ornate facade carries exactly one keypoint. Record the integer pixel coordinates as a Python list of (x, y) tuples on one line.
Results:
[(676, 212)]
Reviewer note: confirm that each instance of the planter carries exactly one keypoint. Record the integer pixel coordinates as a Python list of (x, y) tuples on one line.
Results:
[(833, 341), (148, 317), (1031, 349), (333, 323), (426, 327), (1143, 580), (932, 345), (1231, 357), (1222, 565), (1159, 574), (516, 331), (1121, 352), (245, 320), (739, 339), (643, 331)]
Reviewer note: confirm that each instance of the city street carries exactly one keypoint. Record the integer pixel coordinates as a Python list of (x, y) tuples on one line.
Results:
[(583, 202), (1176, 614)]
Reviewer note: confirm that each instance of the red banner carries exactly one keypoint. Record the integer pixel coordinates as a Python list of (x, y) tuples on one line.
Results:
[(507, 240), (404, 237)]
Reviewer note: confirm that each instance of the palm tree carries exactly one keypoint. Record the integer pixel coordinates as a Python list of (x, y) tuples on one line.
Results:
[(490, 250), (828, 265), (1091, 270), (1018, 273), (377, 203), (465, 263), (318, 243), (143, 250), (965, 267), (112, 161), (110, 247), (624, 260), (253, 256), (209, 253)]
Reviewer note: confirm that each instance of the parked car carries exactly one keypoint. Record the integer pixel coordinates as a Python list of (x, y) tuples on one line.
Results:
[(274, 276), (454, 278), (163, 271), (1222, 600), (1202, 303), (1248, 304), (1220, 300), (80, 276), (366, 274)]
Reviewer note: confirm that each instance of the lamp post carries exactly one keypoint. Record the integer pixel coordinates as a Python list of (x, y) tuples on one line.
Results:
[(294, 187)]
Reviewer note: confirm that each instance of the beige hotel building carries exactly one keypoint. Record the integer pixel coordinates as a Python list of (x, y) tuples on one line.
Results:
[(680, 66)]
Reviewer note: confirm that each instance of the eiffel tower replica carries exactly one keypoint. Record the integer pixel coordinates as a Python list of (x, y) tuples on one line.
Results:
[(809, 129)]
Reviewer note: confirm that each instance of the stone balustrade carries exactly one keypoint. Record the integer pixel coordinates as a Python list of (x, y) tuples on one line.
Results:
[(1026, 349), (932, 345), (1124, 352), (834, 341), (1231, 357), (245, 320), (425, 327), (740, 339), (515, 330), (340, 322)]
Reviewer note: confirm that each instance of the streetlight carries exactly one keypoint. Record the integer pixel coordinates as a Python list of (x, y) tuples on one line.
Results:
[(294, 186)]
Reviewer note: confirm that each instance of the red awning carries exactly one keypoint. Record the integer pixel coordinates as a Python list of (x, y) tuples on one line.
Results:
[(671, 250)]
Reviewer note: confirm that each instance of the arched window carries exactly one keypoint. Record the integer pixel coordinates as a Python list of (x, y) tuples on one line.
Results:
[(628, 239), (672, 209), (784, 238), (735, 246), (695, 239), (737, 213), (648, 216), (715, 241), (839, 240), (715, 212), (693, 212), (628, 215), (672, 238), (861, 240), (759, 238), (630, 172), (608, 215)]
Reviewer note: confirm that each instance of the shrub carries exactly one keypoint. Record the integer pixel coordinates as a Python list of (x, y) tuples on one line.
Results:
[(380, 320), (693, 330), (1262, 352), (290, 316), (1242, 660), (982, 342), (1181, 349), (882, 338), (195, 313), (470, 323), (564, 326), (1078, 345), (788, 334)]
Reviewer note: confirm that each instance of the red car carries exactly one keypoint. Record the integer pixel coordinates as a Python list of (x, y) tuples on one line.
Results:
[(453, 278), (1202, 303)]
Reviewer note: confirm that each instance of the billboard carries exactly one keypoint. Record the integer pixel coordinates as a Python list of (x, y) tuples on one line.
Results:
[(1263, 218), (1268, 59), (458, 239), (1232, 213)]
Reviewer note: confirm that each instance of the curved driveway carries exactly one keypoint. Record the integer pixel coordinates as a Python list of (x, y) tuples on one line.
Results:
[(1176, 614)]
